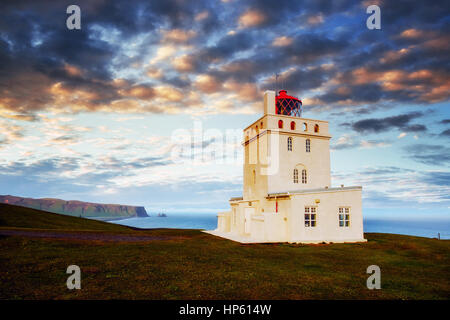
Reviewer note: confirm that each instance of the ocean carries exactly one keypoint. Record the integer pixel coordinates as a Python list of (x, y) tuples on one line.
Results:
[(422, 228)]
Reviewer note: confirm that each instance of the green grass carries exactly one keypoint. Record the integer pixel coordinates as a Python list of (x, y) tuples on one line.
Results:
[(21, 217), (200, 266)]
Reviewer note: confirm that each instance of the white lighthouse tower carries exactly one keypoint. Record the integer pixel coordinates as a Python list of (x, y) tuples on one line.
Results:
[(287, 192)]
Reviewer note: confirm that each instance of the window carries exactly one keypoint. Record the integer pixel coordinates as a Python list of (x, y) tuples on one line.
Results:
[(308, 145), (295, 176), (310, 217), (304, 178), (254, 176), (289, 144), (292, 125), (280, 124), (305, 126), (316, 128), (344, 217)]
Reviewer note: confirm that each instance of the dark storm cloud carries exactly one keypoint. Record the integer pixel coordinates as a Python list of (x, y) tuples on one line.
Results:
[(418, 12), (37, 51), (226, 47), (36, 47), (401, 122), (436, 155), (445, 121), (446, 133)]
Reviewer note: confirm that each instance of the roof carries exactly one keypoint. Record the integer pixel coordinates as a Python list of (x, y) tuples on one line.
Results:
[(317, 190), (283, 95)]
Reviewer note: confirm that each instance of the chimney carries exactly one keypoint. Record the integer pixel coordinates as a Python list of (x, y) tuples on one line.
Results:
[(269, 102)]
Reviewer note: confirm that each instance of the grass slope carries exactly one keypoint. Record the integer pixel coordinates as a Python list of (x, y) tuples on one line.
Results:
[(200, 266), (22, 217)]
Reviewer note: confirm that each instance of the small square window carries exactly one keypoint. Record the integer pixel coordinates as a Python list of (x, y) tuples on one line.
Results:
[(310, 218)]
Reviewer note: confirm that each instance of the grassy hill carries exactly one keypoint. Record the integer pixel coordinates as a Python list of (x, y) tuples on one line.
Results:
[(21, 217), (189, 264)]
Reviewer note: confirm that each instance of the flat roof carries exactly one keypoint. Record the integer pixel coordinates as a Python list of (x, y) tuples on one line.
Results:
[(288, 193)]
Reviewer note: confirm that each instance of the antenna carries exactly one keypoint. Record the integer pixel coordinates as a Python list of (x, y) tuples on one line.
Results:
[(276, 83)]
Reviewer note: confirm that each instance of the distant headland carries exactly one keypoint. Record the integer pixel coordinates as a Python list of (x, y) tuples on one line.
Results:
[(78, 208)]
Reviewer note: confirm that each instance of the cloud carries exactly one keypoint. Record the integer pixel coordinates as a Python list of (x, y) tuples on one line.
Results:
[(347, 141), (401, 122), (252, 18), (430, 154), (178, 35), (282, 41), (391, 186)]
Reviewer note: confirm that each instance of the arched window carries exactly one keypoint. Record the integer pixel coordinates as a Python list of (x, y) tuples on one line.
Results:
[(308, 145), (292, 125), (304, 178), (295, 176), (289, 144), (305, 126), (316, 128), (280, 124)]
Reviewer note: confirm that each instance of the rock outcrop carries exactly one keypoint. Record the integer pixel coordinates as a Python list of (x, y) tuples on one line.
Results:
[(77, 208)]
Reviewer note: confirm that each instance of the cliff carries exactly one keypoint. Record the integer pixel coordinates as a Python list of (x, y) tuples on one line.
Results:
[(77, 208)]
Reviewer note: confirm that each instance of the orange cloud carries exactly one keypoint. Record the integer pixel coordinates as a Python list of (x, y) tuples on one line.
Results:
[(313, 20), (282, 41), (207, 83), (252, 18), (178, 35), (72, 70), (183, 63), (139, 91)]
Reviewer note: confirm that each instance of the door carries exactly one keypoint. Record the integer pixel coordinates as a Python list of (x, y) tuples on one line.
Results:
[(247, 216)]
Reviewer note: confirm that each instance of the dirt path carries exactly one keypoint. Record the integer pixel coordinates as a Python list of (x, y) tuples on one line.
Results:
[(86, 236)]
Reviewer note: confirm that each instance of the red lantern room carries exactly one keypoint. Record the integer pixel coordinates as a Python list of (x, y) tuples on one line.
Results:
[(288, 105)]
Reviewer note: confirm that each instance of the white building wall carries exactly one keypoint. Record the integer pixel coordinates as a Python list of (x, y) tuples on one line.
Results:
[(277, 203), (327, 211)]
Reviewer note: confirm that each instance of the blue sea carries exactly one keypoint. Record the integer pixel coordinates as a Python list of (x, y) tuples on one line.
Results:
[(423, 228)]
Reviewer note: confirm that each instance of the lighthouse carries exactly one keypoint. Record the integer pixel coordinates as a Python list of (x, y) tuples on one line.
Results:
[(287, 194)]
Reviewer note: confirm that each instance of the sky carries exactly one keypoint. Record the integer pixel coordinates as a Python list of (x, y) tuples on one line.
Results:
[(131, 108)]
